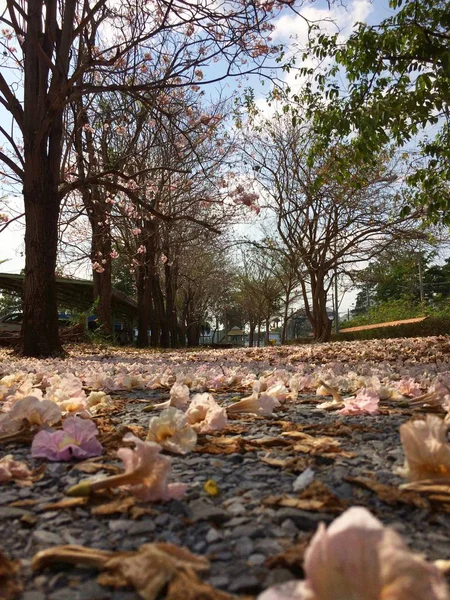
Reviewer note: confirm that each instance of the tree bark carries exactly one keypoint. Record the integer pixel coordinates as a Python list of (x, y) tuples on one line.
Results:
[(144, 307), (40, 334), (251, 334), (100, 251), (267, 332)]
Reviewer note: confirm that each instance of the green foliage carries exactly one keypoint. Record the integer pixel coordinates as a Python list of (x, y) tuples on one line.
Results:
[(430, 326), (398, 84), (10, 302), (392, 310)]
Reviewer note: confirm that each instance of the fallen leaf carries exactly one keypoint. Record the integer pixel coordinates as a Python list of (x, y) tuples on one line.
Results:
[(120, 505), (291, 559), (389, 494), (324, 446), (294, 464), (148, 570), (65, 503), (317, 497), (90, 467), (139, 511), (27, 502), (220, 445), (438, 493), (28, 520), (10, 588)]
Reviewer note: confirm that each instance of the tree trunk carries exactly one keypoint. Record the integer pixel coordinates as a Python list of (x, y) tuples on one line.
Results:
[(251, 335), (320, 320), (285, 316), (258, 341), (100, 251), (193, 333), (267, 332), (144, 306), (40, 334)]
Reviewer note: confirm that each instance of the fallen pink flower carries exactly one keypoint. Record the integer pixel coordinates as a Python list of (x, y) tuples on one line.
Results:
[(77, 439), (258, 404), (364, 403), (358, 558), (205, 415), (11, 469), (29, 411), (172, 431), (146, 474), (427, 451)]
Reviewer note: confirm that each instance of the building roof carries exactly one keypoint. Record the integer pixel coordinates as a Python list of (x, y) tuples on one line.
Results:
[(76, 294)]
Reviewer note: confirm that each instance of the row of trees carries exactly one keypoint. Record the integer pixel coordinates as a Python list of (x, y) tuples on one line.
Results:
[(75, 75), (117, 152)]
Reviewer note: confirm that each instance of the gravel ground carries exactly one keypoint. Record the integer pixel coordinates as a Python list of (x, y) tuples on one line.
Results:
[(240, 530)]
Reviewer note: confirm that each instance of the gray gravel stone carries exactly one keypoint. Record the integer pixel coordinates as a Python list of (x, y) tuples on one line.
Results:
[(41, 536), (246, 583), (142, 527), (201, 511), (244, 546), (120, 525), (10, 512), (256, 559), (33, 595)]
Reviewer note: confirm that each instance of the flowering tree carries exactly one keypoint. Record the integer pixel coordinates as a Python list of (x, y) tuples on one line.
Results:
[(62, 50)]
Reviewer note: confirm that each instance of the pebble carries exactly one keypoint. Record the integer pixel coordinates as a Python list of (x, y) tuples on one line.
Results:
[(256, 559), (119, 525), (142, 527), (246, 583), (201, 511), (213, 536), (46, 537), (244, 546)]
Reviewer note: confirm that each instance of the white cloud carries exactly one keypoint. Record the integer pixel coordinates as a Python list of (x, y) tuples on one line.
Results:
[(336, 19)]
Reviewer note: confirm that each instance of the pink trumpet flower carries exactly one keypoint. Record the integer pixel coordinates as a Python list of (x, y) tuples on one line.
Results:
[(357, 558)]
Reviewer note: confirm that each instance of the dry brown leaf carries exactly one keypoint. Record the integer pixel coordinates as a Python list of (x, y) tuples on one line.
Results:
[(294, 464), (389, 494), (139, 511), (120, 505), (291, 559), (324, 446), (316, 497), (438, 492), (267, 442), (10, 588), (27, 502), (220, 445), (187, 586), (90, 467), (148, 570), (234, 428), (65, 503)]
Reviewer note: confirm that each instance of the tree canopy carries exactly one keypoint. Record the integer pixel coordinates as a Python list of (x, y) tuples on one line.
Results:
[(398, 76)]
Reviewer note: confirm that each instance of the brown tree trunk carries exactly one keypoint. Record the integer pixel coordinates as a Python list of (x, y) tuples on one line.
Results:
[(100, 251), (267, 332), (144, 306), (320, 321), (285, 316), (171, 311), (193, 333), (40, 334), (251, 335)]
